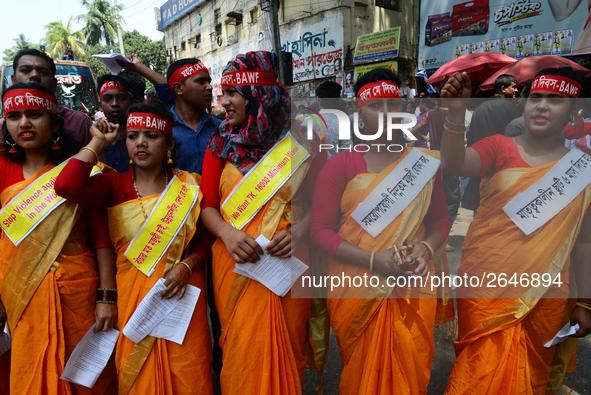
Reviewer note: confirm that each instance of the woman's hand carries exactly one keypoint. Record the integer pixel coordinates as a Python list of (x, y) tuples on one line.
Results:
[(582, 317), (417, 257), (456, 92), (384, 264), (105, 315), (104, 132), (176, 281), (281, 244), (242, 246)]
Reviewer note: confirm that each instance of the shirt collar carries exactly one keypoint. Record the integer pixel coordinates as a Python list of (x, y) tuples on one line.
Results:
[(204, 117)]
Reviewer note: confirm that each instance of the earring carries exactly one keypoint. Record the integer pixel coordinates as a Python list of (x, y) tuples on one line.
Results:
[(55, 146), (169, 154), (130, 162), (361, 124), (13, 150)]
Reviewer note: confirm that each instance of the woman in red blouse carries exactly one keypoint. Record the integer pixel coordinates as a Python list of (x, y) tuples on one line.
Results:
[(532, 233), (48, 270), (385, 334), (142, 206)]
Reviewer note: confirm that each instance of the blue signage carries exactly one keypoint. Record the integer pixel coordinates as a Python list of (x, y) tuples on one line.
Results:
[(174, 9)]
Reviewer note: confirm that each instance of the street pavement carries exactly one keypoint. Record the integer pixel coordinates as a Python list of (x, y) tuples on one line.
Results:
[(444, 351)]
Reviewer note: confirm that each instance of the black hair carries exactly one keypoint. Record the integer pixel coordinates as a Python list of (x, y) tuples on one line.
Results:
[(177, 65), (156, 107), (562, 72), (375, 76), (427, 101), (329, 89), (503, 81), (124, 83), (152, 94), (69, 146), (137, 83), (34, 52)]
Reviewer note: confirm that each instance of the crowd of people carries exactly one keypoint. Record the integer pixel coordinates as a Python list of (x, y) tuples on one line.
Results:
[(74, 267)]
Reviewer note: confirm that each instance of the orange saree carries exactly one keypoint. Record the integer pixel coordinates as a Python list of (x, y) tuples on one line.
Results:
[(264, 336), (157, 366), (48, 288), (500, 347), (385, 334)]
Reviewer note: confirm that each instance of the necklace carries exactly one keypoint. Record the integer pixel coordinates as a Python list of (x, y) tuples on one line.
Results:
[(139, 197)]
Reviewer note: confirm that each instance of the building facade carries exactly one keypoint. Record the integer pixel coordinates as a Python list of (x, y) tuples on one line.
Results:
[(321, 35)]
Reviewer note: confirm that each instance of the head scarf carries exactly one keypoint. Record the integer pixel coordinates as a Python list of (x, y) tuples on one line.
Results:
[(268, 116)]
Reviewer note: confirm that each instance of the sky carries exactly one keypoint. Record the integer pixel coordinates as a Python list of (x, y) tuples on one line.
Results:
[(30, 17)]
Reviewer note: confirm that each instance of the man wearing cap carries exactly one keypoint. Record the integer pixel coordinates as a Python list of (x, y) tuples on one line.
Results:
[(31, 65), (115, 98)]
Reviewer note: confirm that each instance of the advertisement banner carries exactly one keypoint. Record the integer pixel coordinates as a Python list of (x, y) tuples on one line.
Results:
[(174, 9), (376, 46), (361, 70), (317, 49), (516, 28)]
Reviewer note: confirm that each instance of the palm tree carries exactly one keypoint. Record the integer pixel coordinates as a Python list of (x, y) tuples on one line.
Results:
[(21, 43), (100, 22), (60, 38)]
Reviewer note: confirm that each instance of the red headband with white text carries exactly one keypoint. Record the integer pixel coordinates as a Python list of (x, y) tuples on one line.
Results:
[(114, 85), (29, 99), (185, 72), (248, 77), (376, 91), (142, 120), (556, 84)]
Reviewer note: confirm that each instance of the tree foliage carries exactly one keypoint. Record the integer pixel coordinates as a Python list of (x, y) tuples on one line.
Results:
[(21, 42), (100, 22), (60, 38)]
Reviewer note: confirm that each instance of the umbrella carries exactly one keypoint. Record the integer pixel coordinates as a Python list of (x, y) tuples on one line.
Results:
[(479, 66), (526, 69)]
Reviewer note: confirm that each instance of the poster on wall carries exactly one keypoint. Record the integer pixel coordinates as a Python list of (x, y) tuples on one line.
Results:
[(516, 28), (317, 49), (376, 46), (361, 70)]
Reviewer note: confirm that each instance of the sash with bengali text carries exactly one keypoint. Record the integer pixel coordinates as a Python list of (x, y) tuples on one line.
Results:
[(21, 215), (262, 181), (537, 205), (164, 223), (395, 192)]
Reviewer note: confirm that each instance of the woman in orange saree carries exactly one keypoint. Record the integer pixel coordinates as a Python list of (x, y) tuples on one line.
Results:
[(264, 336), (48, 273), (385, 332), (531, 258), (153, 365)]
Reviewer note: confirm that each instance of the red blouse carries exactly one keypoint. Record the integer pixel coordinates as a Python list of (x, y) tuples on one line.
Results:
[(97, 223), (112, 189), (330, 185), (498, 153)]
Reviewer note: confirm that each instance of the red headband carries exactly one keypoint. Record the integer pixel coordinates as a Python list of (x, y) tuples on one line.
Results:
[(114, 85), (142, 120), (248, 77), (29, 99), (376, 91), (185, 72), (556, 84)]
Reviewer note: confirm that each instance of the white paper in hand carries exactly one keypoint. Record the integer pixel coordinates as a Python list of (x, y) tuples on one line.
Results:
[(563, 334), (110, 60), (90, 357), (5, 340), (275, 273), (174, 326), (149, 313)]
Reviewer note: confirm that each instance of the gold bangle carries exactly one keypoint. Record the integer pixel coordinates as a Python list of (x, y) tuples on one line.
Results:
[(371, 262), (428, 247), (188, 267), (106, 302), (455, 124), (583, 305), (91, 150), (458, 132)]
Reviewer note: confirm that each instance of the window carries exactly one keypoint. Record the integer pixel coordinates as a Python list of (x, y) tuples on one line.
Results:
[(183, 46), (197, 41), (389, 4), (254, 16)]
